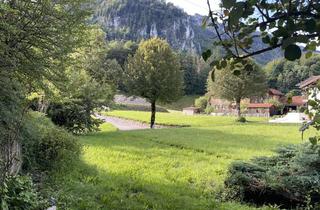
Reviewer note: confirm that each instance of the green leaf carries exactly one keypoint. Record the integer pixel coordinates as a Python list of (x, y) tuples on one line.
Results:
[(214, 63), (248, 67), (292, 40), (263, 27), (281, 32), (274, 41), (237, 72), (312, 46), (223, 63), (207, 54), (311, 25), (309, 54), (266, 39), (292, 52), (4, 205), (228, 3)]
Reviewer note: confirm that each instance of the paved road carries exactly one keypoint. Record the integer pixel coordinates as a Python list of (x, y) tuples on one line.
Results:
[(124, 124)]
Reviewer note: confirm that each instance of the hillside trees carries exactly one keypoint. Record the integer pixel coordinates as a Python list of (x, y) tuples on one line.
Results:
[(114, 61), (285, 75), (154, 73), (234, 83), (195, 73)]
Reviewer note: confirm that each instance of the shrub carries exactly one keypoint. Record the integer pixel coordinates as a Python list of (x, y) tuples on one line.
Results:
[(278, 105), (201, 102), (241, 119), (303, 109), (209, 109), (74, 117), (47, 147), (19, 193), (290, 179)]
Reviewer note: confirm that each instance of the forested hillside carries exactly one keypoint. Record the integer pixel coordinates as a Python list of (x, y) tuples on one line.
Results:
[(142, 19)]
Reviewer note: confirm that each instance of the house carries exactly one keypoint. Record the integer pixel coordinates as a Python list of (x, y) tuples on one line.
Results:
[(190, 111), (309, 87), (222, 107), (256, 106), (309, 83), (275, 94), (271, 94), (261, 109), (297, 102)]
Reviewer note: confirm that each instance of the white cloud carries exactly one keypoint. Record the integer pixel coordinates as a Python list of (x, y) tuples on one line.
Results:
[(196, 6)]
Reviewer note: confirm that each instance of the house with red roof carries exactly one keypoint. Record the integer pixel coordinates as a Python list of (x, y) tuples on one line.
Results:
[(309, 89), (254, 106), (296, 103)]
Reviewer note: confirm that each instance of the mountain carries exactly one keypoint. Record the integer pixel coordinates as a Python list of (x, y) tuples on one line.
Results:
[(141, 19), (136, 20)]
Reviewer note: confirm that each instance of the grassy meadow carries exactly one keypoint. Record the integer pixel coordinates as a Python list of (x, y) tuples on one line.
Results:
[(173, 168)]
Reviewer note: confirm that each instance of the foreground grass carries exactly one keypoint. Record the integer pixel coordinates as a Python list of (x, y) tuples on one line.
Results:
[(177, 168)]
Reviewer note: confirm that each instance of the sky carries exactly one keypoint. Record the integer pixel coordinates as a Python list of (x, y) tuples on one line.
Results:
[(195, 6)]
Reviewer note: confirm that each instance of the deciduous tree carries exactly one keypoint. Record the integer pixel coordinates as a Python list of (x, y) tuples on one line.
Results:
[(234, 83), (154, 73)]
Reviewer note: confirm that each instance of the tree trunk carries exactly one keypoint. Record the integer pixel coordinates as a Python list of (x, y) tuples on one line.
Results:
[(238, 107), (153, 114)]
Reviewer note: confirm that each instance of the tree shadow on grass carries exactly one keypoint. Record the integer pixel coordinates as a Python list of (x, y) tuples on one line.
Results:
[(156, 169), (87, 188)]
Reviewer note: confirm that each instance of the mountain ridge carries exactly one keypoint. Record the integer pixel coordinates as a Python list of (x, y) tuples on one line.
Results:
[(124, 20)]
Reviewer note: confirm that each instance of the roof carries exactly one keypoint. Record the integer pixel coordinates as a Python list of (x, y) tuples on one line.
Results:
[(260, 105), (309, 81), (275, 92), (298, 101)]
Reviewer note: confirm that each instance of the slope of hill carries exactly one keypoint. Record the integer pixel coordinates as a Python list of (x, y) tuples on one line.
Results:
[(142, 19)]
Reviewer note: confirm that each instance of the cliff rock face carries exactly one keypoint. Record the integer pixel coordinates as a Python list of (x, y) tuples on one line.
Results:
[(136, 20), (142, 19)]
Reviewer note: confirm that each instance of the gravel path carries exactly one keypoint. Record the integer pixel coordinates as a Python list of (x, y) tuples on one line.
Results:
[(124, 124)]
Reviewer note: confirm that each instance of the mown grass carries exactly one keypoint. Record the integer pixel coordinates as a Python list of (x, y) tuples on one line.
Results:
[(177, 118), (175, 168)]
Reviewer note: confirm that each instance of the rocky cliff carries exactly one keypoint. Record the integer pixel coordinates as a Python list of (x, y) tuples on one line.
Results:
[(142, 19)]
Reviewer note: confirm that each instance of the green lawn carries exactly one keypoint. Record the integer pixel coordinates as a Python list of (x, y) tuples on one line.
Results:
[(175, 168), (177, 118)]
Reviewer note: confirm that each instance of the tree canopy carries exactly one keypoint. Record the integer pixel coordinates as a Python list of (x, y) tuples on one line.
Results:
[(285, 75), (154, 73), (227, 85)]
